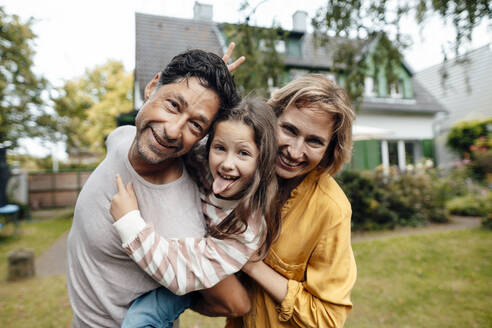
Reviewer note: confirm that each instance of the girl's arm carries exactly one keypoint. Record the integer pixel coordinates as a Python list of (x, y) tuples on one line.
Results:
[(273, 282), (181, 265)]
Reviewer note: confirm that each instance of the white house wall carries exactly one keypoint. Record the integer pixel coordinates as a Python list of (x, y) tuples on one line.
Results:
[(403, 126)]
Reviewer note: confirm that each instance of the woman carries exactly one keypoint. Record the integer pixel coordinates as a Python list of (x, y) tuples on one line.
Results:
[(306, 278)]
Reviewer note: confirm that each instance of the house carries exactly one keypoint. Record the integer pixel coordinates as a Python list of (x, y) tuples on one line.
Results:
[(399, 116), (465, 92)]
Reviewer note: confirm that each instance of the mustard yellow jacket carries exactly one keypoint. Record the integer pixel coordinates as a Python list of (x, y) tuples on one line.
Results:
[(315, 254)]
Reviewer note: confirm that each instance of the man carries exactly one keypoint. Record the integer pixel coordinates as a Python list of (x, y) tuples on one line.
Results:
[(181, 104)]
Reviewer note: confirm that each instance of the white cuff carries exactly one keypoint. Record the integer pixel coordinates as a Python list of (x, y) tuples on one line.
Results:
[(129, 226)]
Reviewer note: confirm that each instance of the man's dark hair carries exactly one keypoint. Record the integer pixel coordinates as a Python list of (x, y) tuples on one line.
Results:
[(211, 71)]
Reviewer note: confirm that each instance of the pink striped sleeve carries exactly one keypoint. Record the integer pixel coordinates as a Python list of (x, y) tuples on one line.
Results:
[(185, 265)]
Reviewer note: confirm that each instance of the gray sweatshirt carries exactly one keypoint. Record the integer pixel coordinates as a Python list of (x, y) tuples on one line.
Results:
[(102, 280)]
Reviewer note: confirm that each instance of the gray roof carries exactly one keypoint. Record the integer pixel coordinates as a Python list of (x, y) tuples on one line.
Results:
[(160, 38), (466, 90)]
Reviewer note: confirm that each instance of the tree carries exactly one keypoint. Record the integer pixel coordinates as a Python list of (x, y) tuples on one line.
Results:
[(378, 23), (263, 68), (21, 102), (87, 107)]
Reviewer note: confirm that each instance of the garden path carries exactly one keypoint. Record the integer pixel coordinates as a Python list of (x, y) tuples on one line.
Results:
[(54, 260)]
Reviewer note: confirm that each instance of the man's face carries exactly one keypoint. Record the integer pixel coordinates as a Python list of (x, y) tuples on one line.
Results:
[(173, 119)]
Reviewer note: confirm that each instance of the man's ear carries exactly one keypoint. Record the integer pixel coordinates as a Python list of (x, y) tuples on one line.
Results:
[(149, 88)]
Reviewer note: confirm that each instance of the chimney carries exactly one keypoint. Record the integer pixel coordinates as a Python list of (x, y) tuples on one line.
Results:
[(203, 11), (299, 20)]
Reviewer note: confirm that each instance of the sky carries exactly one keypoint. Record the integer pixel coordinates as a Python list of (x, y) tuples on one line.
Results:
[(76, 35)]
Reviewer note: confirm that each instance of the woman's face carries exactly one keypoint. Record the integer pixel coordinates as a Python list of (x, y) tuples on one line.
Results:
[(303, 135)]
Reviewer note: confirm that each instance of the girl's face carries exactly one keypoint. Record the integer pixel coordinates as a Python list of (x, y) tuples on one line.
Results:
[(232, 158), (303, 136)]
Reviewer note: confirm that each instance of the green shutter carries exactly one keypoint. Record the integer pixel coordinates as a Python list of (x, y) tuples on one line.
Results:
[(366, 155), (428, 148), (373, 154)]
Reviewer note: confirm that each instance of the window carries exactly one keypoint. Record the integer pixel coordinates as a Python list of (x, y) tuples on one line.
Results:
[(410, 152), (393, 152), (330, 76), (279, 46), (370, 87), (396, 90), (296, 73)]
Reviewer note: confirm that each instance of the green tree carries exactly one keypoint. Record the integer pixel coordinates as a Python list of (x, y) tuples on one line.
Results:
[(264, 67), (346, 27), (21, 102), (87, 107)]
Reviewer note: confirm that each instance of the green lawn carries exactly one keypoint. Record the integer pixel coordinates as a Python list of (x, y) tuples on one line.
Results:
[(434, 280), (34, 302)]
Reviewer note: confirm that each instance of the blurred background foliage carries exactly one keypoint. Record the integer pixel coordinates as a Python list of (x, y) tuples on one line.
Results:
[(21, 102), (86, 107), (425, 195)]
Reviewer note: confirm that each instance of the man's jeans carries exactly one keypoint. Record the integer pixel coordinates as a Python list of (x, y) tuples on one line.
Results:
[(157, 309)]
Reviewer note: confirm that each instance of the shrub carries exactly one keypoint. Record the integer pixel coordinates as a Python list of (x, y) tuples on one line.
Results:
[(463, 135), (382, 202), (466, 206), (473, 205)]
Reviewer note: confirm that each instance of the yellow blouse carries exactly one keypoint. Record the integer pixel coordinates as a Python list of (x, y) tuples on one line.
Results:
[(315, 254)]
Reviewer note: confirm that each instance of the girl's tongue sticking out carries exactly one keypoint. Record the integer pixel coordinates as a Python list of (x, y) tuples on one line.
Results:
[(220, 184)]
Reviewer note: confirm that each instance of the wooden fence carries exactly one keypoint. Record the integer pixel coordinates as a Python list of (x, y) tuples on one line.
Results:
[(58, 189)]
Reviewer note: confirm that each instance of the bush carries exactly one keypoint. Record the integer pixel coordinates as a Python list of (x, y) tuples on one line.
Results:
[(473, 205), (466, 206), (463, 135), (382, 202)]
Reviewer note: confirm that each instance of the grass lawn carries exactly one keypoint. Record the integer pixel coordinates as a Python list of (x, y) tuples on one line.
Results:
[(433, 280), (34, 302)]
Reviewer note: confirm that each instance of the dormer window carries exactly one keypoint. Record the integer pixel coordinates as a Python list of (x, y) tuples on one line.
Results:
[(279, 46), (396, 90), (370, 87), (330, 76)]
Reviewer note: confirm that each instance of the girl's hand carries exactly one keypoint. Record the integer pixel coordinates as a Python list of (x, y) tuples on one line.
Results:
[(124, 201), (228, 54)]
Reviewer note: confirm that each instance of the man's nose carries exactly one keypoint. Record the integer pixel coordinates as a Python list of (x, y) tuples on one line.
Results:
[(174, 129)]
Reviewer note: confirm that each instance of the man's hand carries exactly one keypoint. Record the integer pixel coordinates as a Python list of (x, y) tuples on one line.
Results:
[(226, 299), (227, 56), (124, 201)]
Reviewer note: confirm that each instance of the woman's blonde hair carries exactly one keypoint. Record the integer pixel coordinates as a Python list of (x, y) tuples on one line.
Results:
[(314, 91)]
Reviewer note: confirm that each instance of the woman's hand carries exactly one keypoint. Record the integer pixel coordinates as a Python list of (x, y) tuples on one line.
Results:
[(227, 56), (124, 201)]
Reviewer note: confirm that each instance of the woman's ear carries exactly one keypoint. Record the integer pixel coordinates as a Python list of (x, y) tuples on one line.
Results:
[(149, 88)]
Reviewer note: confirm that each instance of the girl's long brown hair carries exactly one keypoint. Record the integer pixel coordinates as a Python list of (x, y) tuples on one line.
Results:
[(260, 198)]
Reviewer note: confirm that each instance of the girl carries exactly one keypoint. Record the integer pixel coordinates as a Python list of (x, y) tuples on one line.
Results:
[(240, 212)]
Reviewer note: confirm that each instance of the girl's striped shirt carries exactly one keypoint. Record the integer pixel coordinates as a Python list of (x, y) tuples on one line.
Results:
[(189, 264)]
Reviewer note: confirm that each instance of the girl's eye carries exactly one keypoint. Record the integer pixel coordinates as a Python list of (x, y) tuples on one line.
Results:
[(244, 153), (219, 148)]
